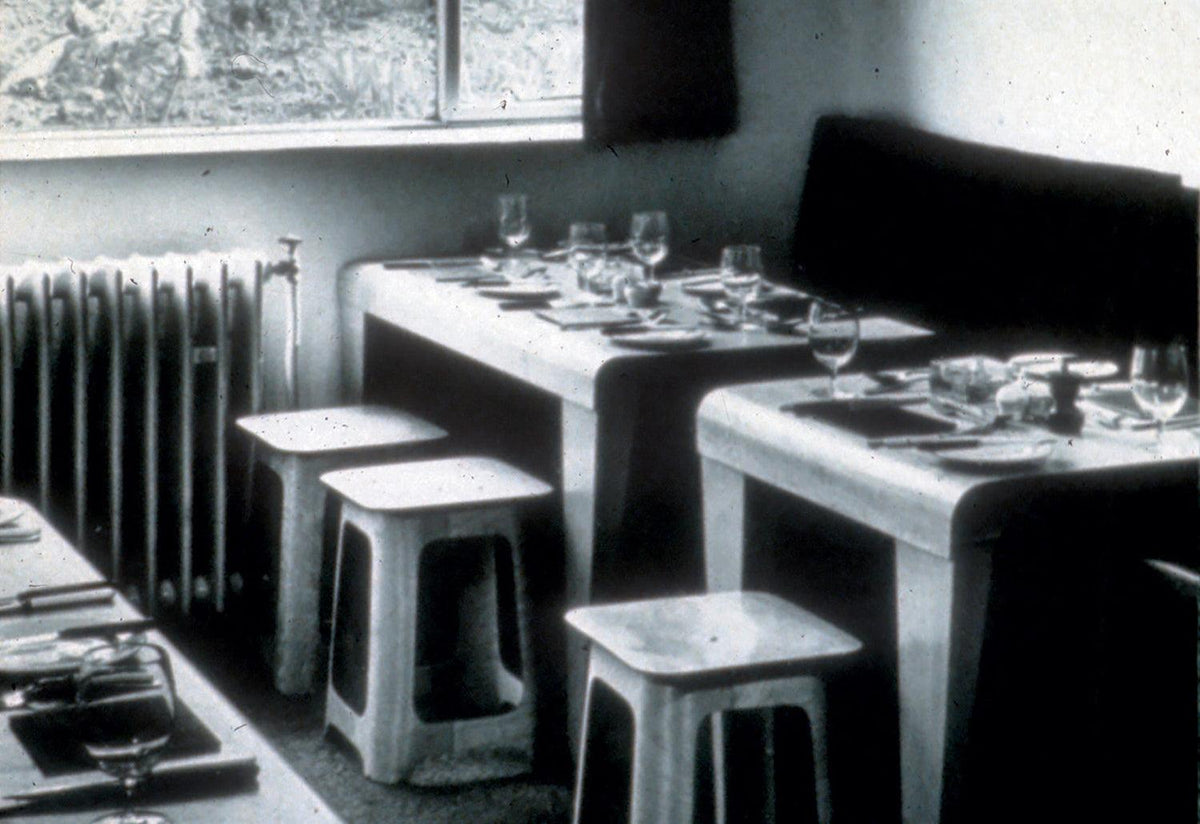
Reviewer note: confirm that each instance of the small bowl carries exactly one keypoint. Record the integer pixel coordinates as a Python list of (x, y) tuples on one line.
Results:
[(642, 294)]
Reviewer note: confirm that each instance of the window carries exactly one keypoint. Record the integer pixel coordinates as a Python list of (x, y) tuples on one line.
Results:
[(202, 67)]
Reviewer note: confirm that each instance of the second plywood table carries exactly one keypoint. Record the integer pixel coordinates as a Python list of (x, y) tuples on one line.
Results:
[(936, 516)]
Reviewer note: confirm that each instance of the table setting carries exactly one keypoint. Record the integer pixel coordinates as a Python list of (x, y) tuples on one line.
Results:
[(591, 283), (982, 415), (103, 719)]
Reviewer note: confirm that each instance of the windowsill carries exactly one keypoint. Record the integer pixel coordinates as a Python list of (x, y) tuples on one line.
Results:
[(182, 141)]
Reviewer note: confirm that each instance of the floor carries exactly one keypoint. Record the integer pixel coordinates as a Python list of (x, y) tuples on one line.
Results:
[(294, 727)]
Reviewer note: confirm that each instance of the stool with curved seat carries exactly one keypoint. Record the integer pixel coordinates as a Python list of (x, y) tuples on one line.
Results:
[(298, 447), (677, 662), (421, 675)]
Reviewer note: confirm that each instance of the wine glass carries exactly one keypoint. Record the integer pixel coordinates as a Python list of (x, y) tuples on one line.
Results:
[(833, 336), (1158, 376), (648, 237), (587, 252), (514, 221), (125, 712), (741, 276)]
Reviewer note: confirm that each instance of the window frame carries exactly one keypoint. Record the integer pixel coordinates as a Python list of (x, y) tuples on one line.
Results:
[(548, 120)]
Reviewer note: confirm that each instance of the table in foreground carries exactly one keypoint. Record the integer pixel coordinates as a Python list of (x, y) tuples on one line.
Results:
[(280, 796), (935, 515), (600, 388)]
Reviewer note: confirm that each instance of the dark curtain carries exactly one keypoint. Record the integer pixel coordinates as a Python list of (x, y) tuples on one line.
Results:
[(658, 70)]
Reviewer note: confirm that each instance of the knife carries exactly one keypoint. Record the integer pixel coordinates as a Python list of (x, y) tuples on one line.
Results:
[(177, 780), (38, 599)]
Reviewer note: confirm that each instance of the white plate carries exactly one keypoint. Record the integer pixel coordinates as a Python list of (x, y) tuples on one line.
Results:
[(1039, 360), (1017, 455), (10, 510), (37, 659), (520, 291), (663, 340)]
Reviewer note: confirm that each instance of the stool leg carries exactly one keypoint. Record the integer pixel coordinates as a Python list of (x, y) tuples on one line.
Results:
[(816, 721), (664, 758), (581, 762), (297, 628)]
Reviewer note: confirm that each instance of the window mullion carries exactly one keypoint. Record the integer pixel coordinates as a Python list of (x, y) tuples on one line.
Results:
[(449, 16)]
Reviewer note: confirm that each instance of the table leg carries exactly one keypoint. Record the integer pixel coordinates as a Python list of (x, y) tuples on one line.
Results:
[(941, 609), (352, 322), (595, 477), (724, 525), (724, 503)]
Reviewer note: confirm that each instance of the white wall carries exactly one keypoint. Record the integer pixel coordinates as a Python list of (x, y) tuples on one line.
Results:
[(1111, 80), (1105, 80)]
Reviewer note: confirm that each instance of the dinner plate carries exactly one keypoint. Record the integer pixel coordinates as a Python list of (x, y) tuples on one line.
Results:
[(10, 510), (1016, 455), (1039, 360), (663, 340), (44, 657), (520, 291)]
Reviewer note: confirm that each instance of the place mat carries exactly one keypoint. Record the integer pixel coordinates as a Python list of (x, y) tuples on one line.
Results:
[(588, 317), (871, 419), (1120, 400), (52, 742)]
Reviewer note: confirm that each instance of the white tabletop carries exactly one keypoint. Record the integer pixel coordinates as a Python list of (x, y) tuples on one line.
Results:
[(906, 493), (281, 796), (566, 363)]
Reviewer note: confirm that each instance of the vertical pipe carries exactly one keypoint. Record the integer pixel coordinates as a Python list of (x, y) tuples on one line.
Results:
[(7, 323), (116, 418), (42, 317), (220, 484), (77, 306), (150, 444), (184, 309)]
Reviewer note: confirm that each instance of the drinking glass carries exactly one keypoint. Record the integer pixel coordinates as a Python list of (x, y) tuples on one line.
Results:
[(649, 235), (741, 276), (587, 252), (125, 711), (833, 335), (514, 221), (1159, 381)]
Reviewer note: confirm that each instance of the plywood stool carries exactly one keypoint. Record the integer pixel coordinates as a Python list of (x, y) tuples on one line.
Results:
[(298, 447), (678, 661), (421, 553)]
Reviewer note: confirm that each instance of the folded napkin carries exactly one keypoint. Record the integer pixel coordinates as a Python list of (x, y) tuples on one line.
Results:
[(1115, 408), (589, 317), (51, 741), (872, 417)]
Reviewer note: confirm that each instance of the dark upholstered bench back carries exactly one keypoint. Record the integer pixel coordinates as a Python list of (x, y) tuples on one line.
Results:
[(979, 242)]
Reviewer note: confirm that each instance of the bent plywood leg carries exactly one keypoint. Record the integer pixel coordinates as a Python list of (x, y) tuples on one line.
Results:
[(724, 505), (724, 525), (595, 476), (941, 606)]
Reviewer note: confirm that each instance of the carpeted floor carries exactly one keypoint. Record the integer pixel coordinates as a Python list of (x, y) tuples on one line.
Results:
[(294, 727)]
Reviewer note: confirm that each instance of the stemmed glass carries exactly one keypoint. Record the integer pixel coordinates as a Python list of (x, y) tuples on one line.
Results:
[(741, 276), (125, 711), (833, 336), (587, 252), (514, 221), (1158, 376), (649, 235)]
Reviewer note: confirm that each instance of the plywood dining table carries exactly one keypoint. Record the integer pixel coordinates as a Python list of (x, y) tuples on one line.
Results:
[(938, 517), (279, 795), (597, 384)]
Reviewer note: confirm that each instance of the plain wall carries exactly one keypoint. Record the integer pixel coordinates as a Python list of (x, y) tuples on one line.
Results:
[(1116, 81)]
